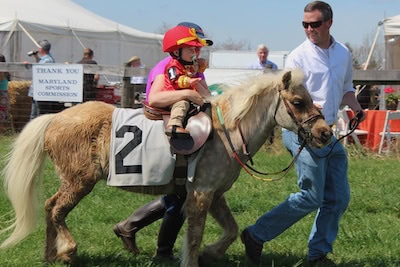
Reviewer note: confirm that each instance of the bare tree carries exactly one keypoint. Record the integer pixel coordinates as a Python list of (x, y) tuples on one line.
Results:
[(164, 28), (356, 63), (360, 53), (231, 44)]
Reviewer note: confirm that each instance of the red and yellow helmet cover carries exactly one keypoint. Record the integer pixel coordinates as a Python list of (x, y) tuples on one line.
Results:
[(181, 36)]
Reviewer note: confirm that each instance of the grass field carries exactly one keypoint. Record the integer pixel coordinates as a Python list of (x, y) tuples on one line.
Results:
[(368, 234)]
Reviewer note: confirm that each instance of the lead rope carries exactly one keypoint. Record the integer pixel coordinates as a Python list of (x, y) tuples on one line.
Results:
[(246, 167)]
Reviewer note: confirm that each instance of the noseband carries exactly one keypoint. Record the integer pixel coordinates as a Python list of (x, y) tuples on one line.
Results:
[(304, 127)]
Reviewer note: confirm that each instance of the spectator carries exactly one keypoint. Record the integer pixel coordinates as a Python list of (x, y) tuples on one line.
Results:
[(138, 81), (4, 98), (43, 56), (263, 63), (89, 80), (134, 62), (322, 173)]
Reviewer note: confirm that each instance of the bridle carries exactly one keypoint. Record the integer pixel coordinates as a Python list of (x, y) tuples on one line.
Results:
[(304, 134)]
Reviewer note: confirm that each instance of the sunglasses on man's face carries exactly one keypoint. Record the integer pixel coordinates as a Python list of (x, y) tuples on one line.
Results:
[(314, 25)]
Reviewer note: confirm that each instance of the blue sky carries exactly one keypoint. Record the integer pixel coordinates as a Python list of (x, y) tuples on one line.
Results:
[(276, 23)]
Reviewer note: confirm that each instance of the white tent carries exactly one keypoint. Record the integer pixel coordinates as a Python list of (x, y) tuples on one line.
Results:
[(69, 28), (392, 42), (392, 25)]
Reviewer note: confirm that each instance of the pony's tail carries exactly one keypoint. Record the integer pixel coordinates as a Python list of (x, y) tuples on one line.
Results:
[(25, 164)]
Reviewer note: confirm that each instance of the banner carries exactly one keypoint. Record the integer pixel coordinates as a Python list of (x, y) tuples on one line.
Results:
[(57, 82)]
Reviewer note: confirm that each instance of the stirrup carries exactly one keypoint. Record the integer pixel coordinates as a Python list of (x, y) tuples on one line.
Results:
[(177, 132)]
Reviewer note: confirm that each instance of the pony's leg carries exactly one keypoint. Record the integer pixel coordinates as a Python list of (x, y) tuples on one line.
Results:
[(221, 212), (196, 208), (50, 251), (60, 245)]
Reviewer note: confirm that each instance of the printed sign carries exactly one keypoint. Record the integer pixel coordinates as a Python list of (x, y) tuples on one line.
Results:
[(57, 82), (138, 80)]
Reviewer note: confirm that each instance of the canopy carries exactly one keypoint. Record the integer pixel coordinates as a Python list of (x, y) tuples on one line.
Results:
[(392, 25), (392, 42), (70, 28)]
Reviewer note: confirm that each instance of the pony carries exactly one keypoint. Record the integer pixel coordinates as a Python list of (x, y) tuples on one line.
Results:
[(77, 140)]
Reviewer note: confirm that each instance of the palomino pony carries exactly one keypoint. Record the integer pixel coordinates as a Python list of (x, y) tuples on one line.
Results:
[(77, 140)]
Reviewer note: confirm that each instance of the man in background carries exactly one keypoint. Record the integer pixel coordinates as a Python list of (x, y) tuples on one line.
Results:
[(89, 80), (43, 56), (263, 63)]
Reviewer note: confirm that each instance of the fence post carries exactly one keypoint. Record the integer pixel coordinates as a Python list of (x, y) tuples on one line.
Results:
[(127, 92), (133, 85)]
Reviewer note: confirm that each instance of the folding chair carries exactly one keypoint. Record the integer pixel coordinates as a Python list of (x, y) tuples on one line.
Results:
[(342, 128), (386, 134)]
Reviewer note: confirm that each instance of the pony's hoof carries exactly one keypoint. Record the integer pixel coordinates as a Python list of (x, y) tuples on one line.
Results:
[(66, 258)]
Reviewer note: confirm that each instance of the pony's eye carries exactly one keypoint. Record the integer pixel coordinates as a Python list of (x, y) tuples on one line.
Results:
[(298, 103)]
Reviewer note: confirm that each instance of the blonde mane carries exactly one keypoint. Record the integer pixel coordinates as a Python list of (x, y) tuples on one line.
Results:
[(253, 96)]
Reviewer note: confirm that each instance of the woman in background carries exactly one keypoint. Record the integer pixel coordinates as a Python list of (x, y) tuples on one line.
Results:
[(4, 99)]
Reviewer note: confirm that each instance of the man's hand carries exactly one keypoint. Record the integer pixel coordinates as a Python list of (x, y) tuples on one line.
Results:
[(360, 115), (318, 106)]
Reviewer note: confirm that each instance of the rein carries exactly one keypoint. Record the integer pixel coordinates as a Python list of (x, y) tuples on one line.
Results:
[(235, 154)]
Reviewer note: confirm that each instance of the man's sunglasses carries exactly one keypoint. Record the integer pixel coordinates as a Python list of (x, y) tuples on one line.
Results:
[(314, 25)]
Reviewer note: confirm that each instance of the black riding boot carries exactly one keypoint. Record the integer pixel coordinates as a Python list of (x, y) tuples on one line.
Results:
[(170, 226), (142, 217)]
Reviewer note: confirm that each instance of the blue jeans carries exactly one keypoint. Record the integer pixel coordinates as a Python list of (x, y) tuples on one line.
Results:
[(174, 204), (323, 185), (34, 110)]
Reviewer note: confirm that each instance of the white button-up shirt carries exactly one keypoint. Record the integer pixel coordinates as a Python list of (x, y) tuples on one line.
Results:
[(328, 74)]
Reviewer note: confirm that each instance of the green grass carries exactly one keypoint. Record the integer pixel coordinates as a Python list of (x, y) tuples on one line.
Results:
[(368, 234)]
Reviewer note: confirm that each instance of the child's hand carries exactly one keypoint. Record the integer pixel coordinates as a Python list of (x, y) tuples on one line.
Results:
[(185, 82), (194, 81)]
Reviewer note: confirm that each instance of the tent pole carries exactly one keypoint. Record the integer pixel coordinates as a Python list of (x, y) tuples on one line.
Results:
[(79, 40), (8, 37), (370, 55), (30, 36)]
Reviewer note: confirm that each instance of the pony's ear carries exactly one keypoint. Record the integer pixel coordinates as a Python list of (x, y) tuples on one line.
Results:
[(287, 77)]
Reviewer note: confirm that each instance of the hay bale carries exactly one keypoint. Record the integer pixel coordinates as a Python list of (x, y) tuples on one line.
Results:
[(20, 103)]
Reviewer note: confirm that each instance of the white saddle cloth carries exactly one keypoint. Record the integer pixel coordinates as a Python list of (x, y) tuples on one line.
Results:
[(140, 153)]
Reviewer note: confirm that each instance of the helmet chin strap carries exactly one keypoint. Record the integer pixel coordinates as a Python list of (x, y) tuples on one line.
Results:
[(179, 57)]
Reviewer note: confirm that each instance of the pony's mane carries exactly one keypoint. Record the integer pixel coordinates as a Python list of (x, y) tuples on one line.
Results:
[(243, 98)]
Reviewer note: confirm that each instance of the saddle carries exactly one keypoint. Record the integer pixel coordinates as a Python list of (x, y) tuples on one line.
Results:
[(197, 122)]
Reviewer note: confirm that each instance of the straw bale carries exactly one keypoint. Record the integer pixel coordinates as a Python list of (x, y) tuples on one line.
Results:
[(20, 103)]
